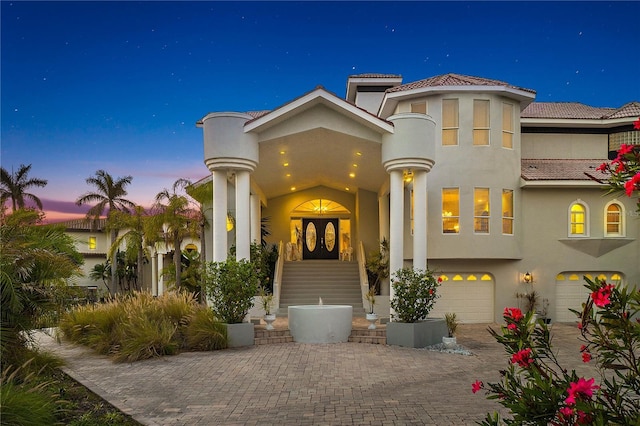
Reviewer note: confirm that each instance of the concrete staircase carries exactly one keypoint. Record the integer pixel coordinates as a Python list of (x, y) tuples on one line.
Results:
[(336, 282)]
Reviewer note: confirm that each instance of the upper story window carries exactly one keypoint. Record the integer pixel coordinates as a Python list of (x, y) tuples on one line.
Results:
[(449, 122), (92, 243), (451, 210), (507, 125), (578, 220), (419, 107), (481, 210), (481, 122), (507, 211), (614, 216)]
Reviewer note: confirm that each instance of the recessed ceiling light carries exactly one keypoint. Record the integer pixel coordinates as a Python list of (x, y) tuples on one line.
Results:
[(352, 175), (358, 153), (293, 188), (355, 165), (288, 175), (281, 152), (347, 188), (286, 164)]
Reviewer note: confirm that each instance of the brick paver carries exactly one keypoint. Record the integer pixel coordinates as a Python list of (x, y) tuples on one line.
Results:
[(305, 384)]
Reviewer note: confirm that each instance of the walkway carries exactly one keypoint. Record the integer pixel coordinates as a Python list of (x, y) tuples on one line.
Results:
[(305, 384)]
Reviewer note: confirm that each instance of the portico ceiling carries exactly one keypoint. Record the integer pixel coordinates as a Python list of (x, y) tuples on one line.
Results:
[(318, 156)]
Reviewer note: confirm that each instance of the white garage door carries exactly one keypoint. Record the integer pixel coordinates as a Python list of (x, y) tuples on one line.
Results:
[(469, 296), (571, 292)]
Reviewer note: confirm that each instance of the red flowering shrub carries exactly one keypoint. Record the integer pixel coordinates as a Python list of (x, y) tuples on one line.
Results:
[(537, 390)]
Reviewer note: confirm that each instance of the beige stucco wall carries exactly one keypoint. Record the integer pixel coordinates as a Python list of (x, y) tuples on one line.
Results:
[(556, 145)]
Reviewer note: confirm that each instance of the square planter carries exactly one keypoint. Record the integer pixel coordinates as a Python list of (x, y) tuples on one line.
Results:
[(239, 335), (418, 334)]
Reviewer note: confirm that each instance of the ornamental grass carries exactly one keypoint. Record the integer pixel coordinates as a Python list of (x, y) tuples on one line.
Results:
[(139, 326)]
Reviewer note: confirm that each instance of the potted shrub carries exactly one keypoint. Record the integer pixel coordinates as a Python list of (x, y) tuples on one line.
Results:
[(415, 293), (230, 287), (372, 317), (450, 340), (266, 300)]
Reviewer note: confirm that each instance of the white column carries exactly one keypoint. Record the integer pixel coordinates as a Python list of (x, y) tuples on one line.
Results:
[(243, 218), (219, 215), (256, 216), (160, 279), (396, 225), (154, 275), (420, 219)]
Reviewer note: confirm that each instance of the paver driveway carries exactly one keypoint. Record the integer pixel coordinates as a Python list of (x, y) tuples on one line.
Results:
[(294, 384)]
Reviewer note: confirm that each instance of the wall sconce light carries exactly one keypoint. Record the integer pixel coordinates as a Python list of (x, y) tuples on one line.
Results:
[(230, 223), (527, 278)]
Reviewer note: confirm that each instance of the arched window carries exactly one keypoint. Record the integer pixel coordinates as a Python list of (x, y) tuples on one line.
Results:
[(614, 219), (578, 224)]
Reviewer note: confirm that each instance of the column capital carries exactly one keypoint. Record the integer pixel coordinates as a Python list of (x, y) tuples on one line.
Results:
[(221, 164), (408, 163)]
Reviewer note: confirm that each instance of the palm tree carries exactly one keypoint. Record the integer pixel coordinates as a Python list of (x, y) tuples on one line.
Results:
[(174, 220), (134, 238), (15, 185), (109, 195)]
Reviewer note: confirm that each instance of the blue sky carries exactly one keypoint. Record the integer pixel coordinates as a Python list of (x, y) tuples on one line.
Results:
[(119, 85)]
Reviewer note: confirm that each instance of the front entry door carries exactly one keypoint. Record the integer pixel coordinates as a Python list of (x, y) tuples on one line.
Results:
[(319, 237)]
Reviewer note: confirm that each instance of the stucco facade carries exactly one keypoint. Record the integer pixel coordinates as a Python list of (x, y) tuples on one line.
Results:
[(464, 175)]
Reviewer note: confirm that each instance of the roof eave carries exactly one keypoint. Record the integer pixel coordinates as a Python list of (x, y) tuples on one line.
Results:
[(317, 96), (556, 183), (576, 122)]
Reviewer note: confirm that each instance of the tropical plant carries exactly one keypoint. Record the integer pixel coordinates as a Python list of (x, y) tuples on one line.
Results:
[(101, 272), (451, 319), (109, 195), (537, 390), (134, 238), (231, 286), (266, 299), (415, 293), (173, 219), (14, 186), (378, 265), (35, 264), (371, 298)]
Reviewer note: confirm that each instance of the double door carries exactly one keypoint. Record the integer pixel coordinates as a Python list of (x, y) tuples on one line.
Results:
[(319, 238)]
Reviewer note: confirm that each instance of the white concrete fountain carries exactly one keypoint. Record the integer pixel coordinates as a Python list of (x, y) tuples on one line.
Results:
[(320, 323)]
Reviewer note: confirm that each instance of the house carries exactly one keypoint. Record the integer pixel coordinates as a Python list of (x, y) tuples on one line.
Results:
[(467, 176), (92, 241)]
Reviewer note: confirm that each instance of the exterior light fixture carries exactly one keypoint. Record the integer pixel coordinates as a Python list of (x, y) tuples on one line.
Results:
[(352, 175), (229, 223), (527, 278)]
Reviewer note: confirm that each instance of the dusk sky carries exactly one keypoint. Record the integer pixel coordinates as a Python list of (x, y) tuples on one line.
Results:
[(119, 85)]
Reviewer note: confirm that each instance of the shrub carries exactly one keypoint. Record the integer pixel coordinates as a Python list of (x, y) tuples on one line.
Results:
[(204, 332), (537, 390), (230, 286), (415, 294)]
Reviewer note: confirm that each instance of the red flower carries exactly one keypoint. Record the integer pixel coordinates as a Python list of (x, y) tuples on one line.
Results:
[(512, 326), (631, 184), (625, 149), (602, 167), (581, 389), (514, 314), (476, 386), (522, 358), (583, 348), (586, 357), (636, 124), (566, 412), (439, 279), (601, 296)]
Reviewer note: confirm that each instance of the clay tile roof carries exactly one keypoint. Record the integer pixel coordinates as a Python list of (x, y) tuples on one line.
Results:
[(632, 109), (564, 110), (564, 169), (258, 114), (82, 224), (454, 80), (374, 75)]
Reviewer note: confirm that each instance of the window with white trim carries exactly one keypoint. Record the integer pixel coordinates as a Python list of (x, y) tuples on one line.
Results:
[(578, 224), (507, 125), (449, 122), (451, 210), (481, 210), (481, 124), (507, 211), (614, 219)]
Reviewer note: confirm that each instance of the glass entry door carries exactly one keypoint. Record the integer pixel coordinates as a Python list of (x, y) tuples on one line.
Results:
[(319, 239)]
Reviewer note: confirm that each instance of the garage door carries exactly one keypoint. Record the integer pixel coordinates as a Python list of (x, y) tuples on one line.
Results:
[(469, 296), (571, 292)]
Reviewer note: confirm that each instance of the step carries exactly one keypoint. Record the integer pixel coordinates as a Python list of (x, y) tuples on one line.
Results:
[(376, 337), (267, 337)]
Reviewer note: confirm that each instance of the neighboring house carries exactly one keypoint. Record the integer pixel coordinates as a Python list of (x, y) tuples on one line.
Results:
[(466, 175), (92, 241)]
